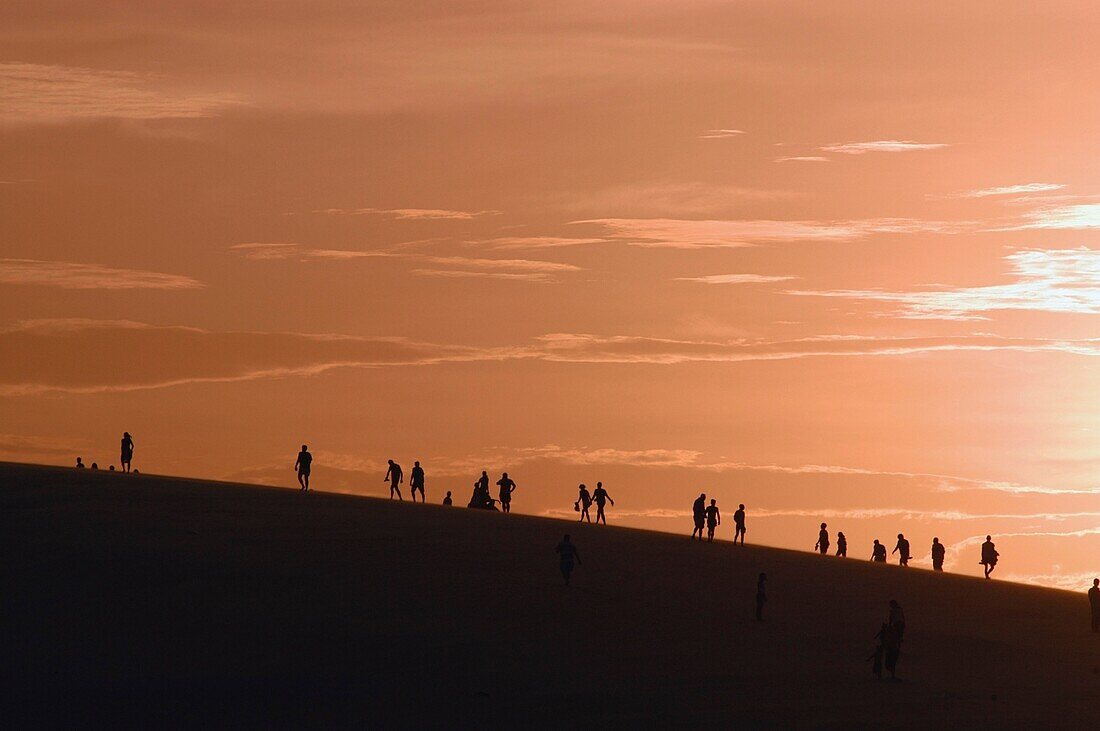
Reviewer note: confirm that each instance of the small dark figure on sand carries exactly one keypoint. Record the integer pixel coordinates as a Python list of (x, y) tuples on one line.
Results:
[(902, 549), (95, 465), (395, 476), (822, 544), (600, 497), (447, 500), (1094, 604), (507, 487), (699, 515), (989, 556), (416, 481), (127, 454), (584, 502), (878, 552), (761, 596), (567, 555), (302, 467), (79, 463), (739, 524), (938, 553), (841, 544), (714, 519)]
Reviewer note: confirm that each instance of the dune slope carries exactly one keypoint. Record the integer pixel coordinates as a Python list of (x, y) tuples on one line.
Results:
[(151, 600)]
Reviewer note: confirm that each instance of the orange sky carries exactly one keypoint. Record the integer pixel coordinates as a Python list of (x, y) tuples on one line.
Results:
[(839, 261)]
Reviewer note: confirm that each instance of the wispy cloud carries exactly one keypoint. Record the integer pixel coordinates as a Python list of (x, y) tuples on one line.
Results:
[(720, 134), (1076, 217), (1046, 280), (861, 148), (802, 158), (71, 275), (1021, 189), (39, 93), (474, 274), (426, 214), (536, 242), (735, 279)]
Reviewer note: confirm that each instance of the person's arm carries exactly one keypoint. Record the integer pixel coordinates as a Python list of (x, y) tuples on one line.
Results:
[(895, 550), (610, 500), (577, 555), (297, 461)]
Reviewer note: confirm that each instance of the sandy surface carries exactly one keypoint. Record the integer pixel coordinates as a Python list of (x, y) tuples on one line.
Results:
[(143, 600)]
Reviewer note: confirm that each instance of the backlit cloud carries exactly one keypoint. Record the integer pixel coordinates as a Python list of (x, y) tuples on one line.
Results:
[(537, 242), (72, 275), (861, 148), (41, 93), (426, 214), (735, 279), (720, 134), (1021, 189), (803, 158), (1046, 280), (1079, 216)]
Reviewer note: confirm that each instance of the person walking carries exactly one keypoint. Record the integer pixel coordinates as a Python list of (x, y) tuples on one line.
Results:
[(938, 554), (714, 519), (416, 481), (600, 497), (507, 487), (841, 545), (902, 549), (127, 454), (699, 515), (761, 596), (739, 524), (394, 475), (822, 544), (878, 552), (1094, 604), (567, 556), (584, 501), (302, 465), (989, 556)]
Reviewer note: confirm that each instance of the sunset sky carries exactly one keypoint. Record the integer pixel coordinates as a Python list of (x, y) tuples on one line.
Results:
[(836, 260)]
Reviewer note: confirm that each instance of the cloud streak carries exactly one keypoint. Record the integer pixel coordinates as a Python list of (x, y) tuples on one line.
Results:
[(862, 148), (72, 275), (736, 279), (720, 134), (1021, 189), (410, 214)]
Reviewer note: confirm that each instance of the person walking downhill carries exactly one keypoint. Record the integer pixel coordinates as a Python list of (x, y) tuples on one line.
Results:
[(127, 452), (416, 481), (302, 465), (841, 545), (584, 501), (714, 519), (938, 554), (739, 524), (600, 497), (878, 552), (567, 555), (822, 544), (394, 475), (989, 556), (902, 549), (699, 515), (1094, 604), (761, 596)]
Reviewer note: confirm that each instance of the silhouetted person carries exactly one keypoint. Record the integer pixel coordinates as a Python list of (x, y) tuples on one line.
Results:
[(841, 544), (600, 497), (880, 651), (989, 556), (395, 477), (95, 465), (584, 501), (127, 454), (878, 552), (567, 554), (897, 618), (938, 553), (416, 481), (302, 466), (714, 519), (447, 500), (699, 515), (79, 463), (111, 468), (481, 498), (822, 540), (902, 549), (1094, 604), (739, 524), (761, 596), (507, 487)]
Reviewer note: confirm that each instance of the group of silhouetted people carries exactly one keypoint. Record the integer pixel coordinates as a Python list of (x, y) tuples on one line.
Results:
[(902, 548), (584, 501), (710, 516), (888, 642), (126, 456)]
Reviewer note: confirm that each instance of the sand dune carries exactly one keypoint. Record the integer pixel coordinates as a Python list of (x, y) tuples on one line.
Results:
[(141, 600)]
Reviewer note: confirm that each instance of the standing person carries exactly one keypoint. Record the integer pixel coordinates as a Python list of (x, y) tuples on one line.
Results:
[(567, 554), (1094, 604), (761, 596), (699, 515), (902, 549), (416, 481), (302, 466), (938, 553), (841, 544), (880, 650), (897, 618), (447, 500), (739, 524), (891, 641), (600, 496), (714, 519), (79, 463), (584, 501), (823, 540), (127, 451), (507, 487), (394, 475), (989, 556), (878, 552)]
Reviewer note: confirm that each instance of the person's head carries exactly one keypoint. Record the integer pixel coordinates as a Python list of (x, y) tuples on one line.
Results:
[(390, 462), (900, 536), (599, 484), (111, 468), (416, 464), (306, 447), (126, 434), (713, 501), (989, 538), (582, 487), (840, 534), (566, 539), (741, 506), (824, 526), (484, 473), (95, 465), (1096, 582), (702, 496), (936, 540), (876, 541), (503, 474), (763, 576), (894, 603), (79, 460)]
